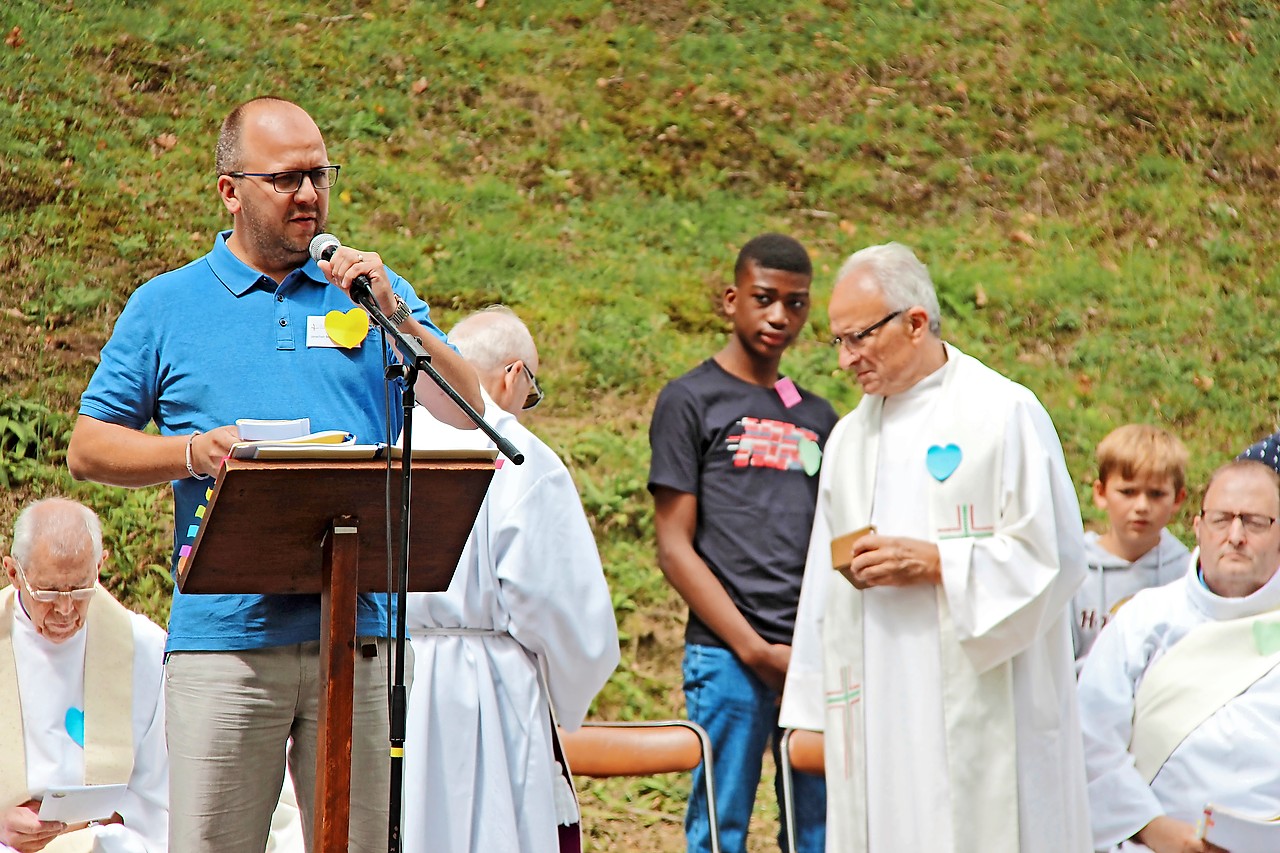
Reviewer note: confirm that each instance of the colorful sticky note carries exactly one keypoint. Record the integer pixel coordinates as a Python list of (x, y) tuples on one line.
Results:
[(942, 462), (208, 493), (497, 463), (1266, 634), (200, 511), (349, 329), (74, 721), (810, 456), (787, 391), (184, 551), (192, 531)]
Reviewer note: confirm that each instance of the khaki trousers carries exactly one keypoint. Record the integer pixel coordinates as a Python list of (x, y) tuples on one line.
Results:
[(229, 720)]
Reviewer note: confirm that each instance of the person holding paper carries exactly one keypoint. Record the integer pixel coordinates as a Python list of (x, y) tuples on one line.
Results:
[(80, 696), (256, 329), (941, 670), (1180, 696), (523, 638), (736, 448)]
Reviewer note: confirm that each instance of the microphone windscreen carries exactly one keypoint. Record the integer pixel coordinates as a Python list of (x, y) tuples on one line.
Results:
[(323, 246)]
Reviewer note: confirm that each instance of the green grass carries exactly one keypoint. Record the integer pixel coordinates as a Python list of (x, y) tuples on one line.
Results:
[(1092, 185)]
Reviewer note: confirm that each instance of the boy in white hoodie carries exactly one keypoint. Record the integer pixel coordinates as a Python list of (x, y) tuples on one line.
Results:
[(1141, 485)]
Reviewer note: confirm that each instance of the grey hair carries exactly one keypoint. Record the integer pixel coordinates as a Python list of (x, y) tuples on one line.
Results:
[(903, 280), (493, 338), (61, 525)]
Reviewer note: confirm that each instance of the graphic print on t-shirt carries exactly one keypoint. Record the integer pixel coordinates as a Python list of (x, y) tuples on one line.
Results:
[(765, 443)]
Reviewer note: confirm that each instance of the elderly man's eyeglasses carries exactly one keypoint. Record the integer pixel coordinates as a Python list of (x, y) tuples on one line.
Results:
[(49, 596), (1221, 520), (535, 395), (322, 177), (854, 341)]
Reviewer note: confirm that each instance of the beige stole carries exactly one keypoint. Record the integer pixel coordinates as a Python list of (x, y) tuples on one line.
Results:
[(1214, 663), (108, 706), (978, 707)]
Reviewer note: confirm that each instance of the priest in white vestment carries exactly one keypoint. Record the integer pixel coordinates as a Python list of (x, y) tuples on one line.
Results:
[(1180, 697), (80, 692), (526, 630), (938, 663)]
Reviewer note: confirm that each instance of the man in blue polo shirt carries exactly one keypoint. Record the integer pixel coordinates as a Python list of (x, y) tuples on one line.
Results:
[(240, 333)]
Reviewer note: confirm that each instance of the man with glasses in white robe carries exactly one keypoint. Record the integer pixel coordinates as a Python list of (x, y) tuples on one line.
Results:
[(938, 661), (80, 693), (525, 631), (1180, 697)]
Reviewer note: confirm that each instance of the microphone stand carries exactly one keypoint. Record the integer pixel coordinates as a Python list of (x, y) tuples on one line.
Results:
[(415, 360)]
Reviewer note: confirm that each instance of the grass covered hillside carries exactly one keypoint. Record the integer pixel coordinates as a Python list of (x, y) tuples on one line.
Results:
[(1094, 187)]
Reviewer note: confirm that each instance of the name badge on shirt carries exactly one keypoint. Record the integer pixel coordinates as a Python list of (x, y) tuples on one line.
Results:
[(318, 334)]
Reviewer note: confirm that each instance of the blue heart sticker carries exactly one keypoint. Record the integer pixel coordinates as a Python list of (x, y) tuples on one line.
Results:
[(75, 725), (942, 462)]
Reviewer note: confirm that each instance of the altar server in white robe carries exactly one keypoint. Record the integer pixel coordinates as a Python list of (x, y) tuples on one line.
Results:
[(526, 629), (1180, 697), (80, 691), (939, 663)]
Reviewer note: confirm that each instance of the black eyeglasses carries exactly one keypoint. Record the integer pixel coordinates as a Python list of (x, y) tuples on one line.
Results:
[(322, 177), (535, 395), (1221, 520), (853, 342)]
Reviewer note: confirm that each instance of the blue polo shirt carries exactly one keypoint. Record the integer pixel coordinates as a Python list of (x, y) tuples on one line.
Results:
[(199, 347)]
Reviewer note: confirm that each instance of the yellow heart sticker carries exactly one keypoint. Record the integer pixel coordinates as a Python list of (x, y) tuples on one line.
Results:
[(349, 329)]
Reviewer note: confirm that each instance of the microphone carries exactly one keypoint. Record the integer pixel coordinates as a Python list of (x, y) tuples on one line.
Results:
[(322, 248)]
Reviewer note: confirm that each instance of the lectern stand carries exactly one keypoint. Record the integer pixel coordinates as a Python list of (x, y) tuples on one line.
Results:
[(319, 526)]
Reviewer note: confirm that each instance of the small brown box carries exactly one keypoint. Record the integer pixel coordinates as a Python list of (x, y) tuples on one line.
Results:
[(842, 547)]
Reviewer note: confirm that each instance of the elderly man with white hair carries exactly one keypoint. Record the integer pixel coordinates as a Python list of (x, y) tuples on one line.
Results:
[(939, 664), (80, 692), (525, 631)]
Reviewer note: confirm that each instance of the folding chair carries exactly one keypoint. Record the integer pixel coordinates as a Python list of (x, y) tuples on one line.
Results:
[(601, 750), (801, 752)]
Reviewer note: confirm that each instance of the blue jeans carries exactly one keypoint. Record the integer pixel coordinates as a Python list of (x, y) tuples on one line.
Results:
[(740, 715)]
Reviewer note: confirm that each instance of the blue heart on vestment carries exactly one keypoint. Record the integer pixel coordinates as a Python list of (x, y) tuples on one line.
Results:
[(942, 462), (75, 725)]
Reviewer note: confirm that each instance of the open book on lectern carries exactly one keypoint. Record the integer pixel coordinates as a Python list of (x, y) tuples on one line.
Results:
[(345, 450)]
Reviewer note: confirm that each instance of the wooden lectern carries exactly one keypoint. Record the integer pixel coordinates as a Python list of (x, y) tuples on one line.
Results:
[(319, 526)]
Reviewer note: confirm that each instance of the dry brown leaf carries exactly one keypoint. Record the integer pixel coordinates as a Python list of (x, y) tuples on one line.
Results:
[(15, 39), (1204, 383), (166, 141), (419, 86), (980, 296), (1022, 237), (848, 227)]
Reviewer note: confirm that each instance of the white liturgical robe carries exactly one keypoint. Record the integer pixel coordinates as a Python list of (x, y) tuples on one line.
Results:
[(949, 711), (51, 683), (526, 626), (1229, 758)]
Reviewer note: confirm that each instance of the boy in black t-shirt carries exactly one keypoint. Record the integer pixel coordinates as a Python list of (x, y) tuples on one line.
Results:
[(736, 450)]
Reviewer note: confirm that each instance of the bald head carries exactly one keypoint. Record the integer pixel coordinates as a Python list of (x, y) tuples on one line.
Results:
[(265, 115)]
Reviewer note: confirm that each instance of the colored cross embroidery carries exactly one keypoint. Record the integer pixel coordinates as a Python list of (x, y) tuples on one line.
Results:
[(966, 525), (845, 699), (765, 443)]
